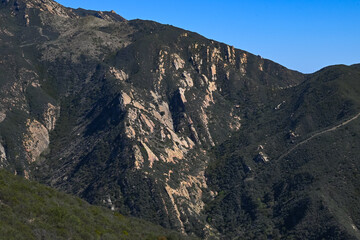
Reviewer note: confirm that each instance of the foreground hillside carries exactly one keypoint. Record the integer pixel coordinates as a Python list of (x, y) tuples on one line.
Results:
[(29, 210)]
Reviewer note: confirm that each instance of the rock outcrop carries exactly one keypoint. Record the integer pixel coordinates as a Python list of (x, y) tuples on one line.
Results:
[(36, 140), (2, 116), (50, 116), (3, 158)]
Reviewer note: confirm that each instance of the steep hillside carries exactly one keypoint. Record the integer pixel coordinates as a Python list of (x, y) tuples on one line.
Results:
[(29, 210), (161, 123), (292, 171)]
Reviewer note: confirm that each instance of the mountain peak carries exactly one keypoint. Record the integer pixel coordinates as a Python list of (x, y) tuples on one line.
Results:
[(42, 5), (58, 9)]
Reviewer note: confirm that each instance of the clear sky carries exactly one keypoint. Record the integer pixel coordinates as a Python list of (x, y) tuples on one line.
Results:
[(304, 35)]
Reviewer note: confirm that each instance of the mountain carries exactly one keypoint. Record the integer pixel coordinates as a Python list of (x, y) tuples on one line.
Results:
[(293, 170), (32, 211), (161, 123)]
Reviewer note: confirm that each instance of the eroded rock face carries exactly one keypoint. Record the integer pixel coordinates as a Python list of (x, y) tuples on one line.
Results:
[(51, 114), (3, 158), (119, 74), (2, 116), (49, 6), (187, 199), (36, 140), (169, 127), (243, 63), (262, 157), (177, 61)]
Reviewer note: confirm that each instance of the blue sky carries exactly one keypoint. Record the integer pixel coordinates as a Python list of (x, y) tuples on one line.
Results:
[(303, 35)]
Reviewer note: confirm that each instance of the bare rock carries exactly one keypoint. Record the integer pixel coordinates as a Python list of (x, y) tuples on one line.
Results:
[(119, 74), (182, 95), (2, 154), (188, 79), (177, 61), (36, 140), (2, 116), (262, 157), (50, 116), (151, 156), (139, 159), (213, 72)]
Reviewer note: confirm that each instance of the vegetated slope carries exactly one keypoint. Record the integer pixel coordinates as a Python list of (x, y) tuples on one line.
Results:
[(293, 171), (163, 124), (106, 108), (29, 210)]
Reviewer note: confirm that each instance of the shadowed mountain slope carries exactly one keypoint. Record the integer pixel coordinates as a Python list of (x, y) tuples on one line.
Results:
[(175, 128)]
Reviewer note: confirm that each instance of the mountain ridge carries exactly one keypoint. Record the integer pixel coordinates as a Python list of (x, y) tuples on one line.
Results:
[(58, 9), (159, 120)]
